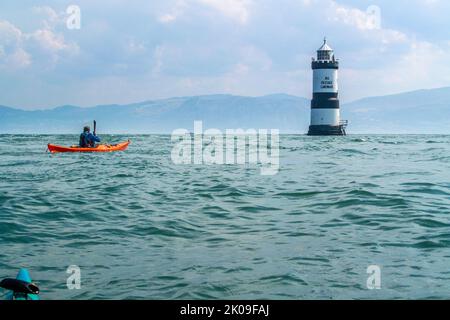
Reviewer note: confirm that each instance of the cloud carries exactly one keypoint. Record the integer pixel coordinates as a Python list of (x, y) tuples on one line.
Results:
[(44, 45), (12, 55), (49, 41), (367, 22), (167, 18), (18, 59), (419, 67), (51, 18), (131, 51), (237, 10), (362, 20), (176, 11)]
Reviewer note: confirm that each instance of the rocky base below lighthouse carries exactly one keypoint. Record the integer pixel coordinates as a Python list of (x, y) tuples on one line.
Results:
[(325, 130)]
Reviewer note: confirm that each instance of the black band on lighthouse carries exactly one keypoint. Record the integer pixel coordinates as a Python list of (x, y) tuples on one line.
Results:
[(325, 95), (325, 65), (325, 103)]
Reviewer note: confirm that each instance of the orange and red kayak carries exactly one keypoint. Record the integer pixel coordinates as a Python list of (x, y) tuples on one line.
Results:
[(100, 148)]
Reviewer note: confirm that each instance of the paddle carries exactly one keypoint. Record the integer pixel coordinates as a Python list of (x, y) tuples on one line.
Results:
[(19, 286), (95, 128)]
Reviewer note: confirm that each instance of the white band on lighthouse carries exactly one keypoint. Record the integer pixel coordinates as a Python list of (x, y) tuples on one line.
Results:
[(325, 81), (325, 117)]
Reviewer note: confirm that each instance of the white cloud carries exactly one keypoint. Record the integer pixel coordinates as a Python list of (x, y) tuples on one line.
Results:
[(368, 22), (351, 16), (177, 11), (234, 9), (17, 48), (51, 18), (422, 66), (237, 10), (49, 47), (49, 41), (167, 18), (12, 55), (9, 34), (184, 47), (18, 59)]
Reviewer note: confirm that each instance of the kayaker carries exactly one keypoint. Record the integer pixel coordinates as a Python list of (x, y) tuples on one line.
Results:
[(88, 139)]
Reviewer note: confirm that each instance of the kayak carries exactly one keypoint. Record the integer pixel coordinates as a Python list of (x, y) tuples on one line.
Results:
[(100, 148), (21, 288)]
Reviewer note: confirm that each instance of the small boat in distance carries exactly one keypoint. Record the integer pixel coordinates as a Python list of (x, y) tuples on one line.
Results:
[(100, 148)]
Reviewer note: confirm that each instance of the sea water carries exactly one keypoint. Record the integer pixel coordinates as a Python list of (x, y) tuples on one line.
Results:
[(139, 226)]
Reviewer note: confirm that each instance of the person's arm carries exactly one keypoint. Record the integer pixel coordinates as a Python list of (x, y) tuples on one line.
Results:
[(94, 138)]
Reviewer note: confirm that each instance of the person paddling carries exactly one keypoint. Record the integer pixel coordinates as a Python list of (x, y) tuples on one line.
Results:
[(88, 139)]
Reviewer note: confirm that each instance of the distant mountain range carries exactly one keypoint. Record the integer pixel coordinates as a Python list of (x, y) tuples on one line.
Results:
[(423, 111)]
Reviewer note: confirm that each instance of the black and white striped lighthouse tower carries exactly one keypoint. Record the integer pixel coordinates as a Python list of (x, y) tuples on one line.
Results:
[(325, 111)]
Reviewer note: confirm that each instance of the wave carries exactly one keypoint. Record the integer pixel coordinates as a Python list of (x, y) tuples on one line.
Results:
[(153, 229)]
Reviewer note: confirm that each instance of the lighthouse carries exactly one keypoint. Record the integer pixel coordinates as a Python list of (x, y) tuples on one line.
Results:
[(325, 111)]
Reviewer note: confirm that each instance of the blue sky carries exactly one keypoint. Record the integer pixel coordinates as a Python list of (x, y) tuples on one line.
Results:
[(130, 51)]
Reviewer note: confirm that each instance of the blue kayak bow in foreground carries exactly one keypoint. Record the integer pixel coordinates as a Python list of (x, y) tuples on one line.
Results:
[(20, 288)]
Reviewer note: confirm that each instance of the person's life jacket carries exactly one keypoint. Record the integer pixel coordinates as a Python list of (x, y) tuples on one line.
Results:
[(84, 143)]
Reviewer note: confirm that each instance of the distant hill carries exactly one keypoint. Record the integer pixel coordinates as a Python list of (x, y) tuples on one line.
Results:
[(287, 113), (424, 111)]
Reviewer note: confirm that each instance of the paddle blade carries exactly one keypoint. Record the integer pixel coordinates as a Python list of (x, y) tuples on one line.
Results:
[(19, 286)]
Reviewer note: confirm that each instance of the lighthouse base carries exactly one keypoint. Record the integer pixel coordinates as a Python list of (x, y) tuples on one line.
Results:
[(327, 130)]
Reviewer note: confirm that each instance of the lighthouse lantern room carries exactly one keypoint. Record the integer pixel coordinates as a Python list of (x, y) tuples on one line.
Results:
[(325, 110)]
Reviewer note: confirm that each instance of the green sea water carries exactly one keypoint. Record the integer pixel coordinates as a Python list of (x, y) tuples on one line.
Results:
[(141, 227)]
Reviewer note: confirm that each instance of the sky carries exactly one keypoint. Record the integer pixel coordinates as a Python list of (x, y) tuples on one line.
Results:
[(127, 51)]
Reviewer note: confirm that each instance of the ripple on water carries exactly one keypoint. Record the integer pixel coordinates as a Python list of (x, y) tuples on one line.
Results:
[(149, 229)]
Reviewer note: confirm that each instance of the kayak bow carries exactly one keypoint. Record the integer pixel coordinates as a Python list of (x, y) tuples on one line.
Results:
[(100, 148), (20, 288)]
